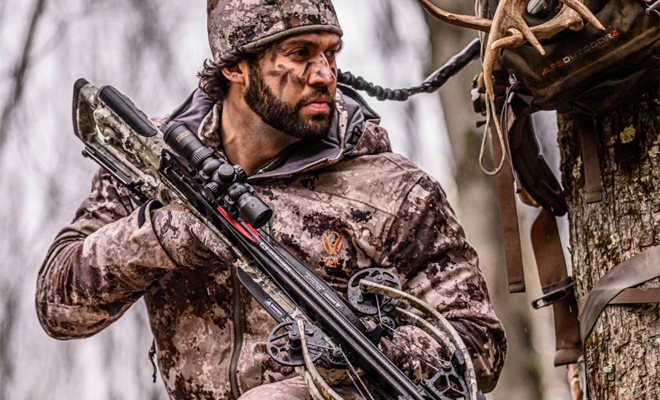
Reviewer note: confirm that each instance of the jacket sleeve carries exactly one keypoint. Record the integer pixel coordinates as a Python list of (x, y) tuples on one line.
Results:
[(99, 265), (427, 246)]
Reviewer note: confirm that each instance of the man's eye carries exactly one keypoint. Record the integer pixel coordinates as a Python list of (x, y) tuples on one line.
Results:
[(300, 53), (332, 53)]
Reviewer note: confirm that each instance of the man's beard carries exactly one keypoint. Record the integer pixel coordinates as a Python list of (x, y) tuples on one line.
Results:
[(285, 117)]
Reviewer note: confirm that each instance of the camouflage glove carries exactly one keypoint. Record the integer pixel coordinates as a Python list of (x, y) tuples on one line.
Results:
[(127, 250), (153, 238), (187, 241), (411, 339)]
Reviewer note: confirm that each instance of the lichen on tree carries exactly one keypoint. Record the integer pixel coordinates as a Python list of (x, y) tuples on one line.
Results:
[(623, 350)]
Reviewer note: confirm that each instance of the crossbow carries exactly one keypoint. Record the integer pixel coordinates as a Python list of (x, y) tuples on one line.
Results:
[(314, 323)]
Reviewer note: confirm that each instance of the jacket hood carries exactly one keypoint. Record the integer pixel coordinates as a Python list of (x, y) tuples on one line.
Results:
[(354, 132)]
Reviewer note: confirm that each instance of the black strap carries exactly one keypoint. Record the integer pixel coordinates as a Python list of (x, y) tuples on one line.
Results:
[(588, 143), (530, 166), (152, 356)]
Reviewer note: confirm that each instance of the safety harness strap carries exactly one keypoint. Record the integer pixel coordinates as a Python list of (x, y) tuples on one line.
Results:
[(636, 270), (629, 297), (557, 288), (592, 178), (508, 218)]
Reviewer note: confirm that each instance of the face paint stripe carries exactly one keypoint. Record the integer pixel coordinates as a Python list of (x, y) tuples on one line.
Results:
[(284, 81), (307, 68)]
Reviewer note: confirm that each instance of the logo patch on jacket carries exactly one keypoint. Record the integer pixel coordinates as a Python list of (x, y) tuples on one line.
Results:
[(332, 245)]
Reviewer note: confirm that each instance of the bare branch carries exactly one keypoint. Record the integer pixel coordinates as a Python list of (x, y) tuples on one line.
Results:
[(20, 72)]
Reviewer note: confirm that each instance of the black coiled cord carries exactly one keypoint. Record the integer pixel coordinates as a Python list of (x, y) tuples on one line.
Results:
[(430, 84), (379, 92)]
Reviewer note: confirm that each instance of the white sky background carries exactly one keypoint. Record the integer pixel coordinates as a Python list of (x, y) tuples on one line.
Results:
[(43, 178)]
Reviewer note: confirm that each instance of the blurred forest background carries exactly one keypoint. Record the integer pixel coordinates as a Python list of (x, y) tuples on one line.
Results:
[(151, 51)]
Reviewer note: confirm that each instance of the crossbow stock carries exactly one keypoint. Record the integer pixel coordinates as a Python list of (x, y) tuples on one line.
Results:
[(315, 324)]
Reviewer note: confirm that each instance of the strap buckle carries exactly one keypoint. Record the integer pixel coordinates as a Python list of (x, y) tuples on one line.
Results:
[(554, 293)]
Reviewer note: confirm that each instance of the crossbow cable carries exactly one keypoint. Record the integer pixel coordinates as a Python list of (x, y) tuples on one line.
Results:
[(311, 373), (442, 331)]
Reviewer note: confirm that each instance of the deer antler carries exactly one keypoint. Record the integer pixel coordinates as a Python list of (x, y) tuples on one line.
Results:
[(508, 29), (466, 21), (565, 18)]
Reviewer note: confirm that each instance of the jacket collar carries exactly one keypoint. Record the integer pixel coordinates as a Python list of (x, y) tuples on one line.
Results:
[(350, 134)]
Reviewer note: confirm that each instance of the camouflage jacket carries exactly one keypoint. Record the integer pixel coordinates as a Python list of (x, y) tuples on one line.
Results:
[(341, 205)]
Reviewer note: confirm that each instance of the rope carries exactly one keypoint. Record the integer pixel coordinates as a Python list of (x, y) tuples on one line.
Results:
[(490, 110)]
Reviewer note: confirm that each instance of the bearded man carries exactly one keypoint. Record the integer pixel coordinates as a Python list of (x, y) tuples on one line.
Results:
[(342, 201)]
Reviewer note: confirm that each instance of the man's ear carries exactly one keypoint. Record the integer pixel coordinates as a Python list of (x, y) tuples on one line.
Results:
[(236, 74)]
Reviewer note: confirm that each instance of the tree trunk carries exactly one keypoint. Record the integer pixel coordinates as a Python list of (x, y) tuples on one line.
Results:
[(623, 351)]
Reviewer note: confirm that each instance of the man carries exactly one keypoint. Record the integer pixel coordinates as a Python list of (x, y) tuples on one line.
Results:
[(342, 202)]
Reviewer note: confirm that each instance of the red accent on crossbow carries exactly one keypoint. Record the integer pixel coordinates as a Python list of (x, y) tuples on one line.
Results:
[(241, 227)]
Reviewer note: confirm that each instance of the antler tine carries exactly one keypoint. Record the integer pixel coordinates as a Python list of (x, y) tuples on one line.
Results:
[(566, 18), (508, 17), (581, 9), (466, 21), (516, 39), (508, 20), (528, 34)]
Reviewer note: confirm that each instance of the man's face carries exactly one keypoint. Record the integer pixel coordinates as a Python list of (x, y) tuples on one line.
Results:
[(292, 85)]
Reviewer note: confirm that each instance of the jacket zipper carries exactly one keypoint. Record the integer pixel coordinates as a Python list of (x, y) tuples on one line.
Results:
[(239, 328), (261, 174)]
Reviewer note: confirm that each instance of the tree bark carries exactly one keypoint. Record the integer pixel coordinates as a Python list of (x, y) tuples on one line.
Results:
[(623, 351)]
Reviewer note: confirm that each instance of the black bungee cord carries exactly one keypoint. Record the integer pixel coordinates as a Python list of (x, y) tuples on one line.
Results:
[(430, 84)]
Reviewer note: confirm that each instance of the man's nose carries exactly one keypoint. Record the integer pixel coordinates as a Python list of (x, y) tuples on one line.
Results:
[(322, 74)]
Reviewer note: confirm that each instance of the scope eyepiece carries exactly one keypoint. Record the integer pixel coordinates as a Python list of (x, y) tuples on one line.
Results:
[(219, 177), (253, 210)]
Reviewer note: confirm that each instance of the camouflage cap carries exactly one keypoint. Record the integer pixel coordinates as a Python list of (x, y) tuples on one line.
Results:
[(239, 27)]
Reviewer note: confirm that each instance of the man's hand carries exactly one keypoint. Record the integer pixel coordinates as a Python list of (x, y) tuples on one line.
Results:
[(187, 241), (408, 347)]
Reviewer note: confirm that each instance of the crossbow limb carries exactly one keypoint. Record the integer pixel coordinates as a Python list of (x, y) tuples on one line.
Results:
[(320, 384), (441, 330)]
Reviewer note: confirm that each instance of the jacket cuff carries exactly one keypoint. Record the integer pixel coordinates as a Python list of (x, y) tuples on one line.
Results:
[(129, 244)]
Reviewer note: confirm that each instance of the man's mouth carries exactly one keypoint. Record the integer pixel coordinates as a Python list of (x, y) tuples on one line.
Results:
[(319, 104)]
